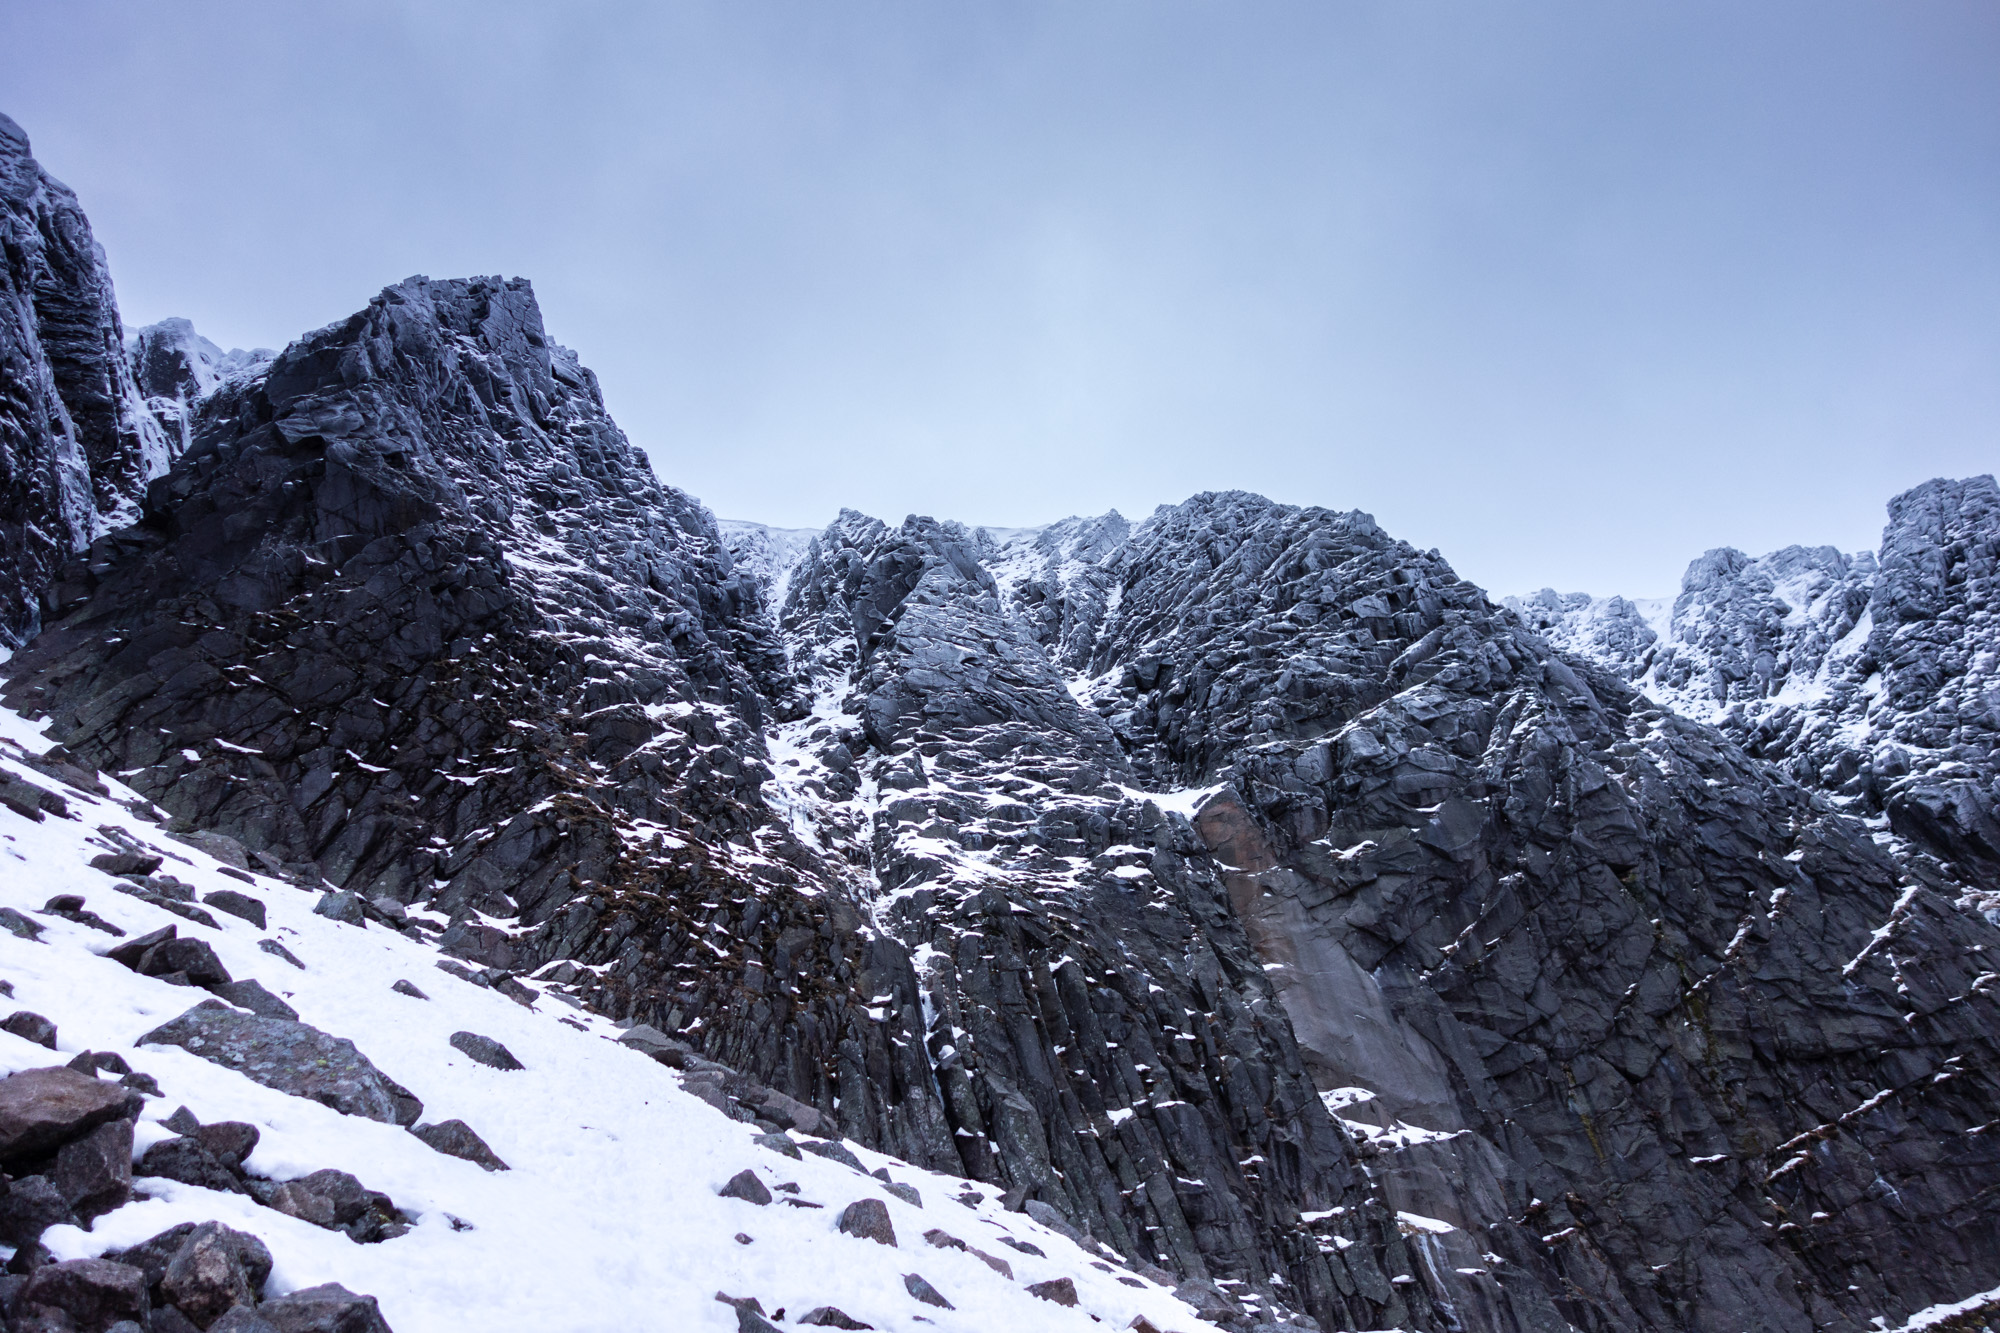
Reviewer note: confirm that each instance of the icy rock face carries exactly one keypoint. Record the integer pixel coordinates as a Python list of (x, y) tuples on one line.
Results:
[(176, 368), (411, 615), (77, 445), (1872, 678), (1629, 1030)]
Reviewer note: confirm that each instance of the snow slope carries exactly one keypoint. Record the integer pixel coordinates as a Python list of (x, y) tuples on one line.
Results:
[(609, 1217)]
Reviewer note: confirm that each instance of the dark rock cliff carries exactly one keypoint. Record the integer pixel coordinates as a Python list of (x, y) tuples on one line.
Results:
[(76, 444)]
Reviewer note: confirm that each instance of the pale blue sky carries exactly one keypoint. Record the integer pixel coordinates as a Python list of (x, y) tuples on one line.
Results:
[(1570, 291)]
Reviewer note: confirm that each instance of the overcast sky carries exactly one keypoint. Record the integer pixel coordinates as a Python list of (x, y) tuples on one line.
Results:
[(1568, 291)]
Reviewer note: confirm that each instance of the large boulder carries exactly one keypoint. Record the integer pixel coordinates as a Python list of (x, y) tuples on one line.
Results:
[(93, 1293), (42, 1109), (455, 1138), (291, 1057), (327, 1308), (94, 1172)]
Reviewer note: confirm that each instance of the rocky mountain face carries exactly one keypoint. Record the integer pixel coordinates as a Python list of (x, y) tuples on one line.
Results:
[(1238, 890), (1873, 678), (77, 444)]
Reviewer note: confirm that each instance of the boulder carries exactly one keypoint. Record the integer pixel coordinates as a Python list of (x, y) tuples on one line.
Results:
[(125, 863), (488, 946), (31, 1205), (828, 1316), (344, 906), (277, 950), (836, 1152), (15, 924), (188, 1161), (339, 1202), (131, 951), (925, 1292), (291, 1057), (237, 905), (1061, 1290), (780, 1143), (94, 1293), (30, 1026), (251, 995), (744, 1185), (651, 1041), (455, 1138), (41, 1109), (405, 988), (868, 1219), (240, 1319), (192, 957), (328, 1308), (485, 1050), (94, 1173), (232, 1141), (215, 1269)]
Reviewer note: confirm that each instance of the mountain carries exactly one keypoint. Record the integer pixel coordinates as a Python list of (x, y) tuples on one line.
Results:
[(77, 443), (1238, 894), (1872, 678)]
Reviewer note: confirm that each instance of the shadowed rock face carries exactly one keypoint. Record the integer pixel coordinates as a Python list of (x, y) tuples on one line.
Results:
[(76, 443)]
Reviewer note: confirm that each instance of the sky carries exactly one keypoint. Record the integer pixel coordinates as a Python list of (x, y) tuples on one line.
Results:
[(1569, 291)]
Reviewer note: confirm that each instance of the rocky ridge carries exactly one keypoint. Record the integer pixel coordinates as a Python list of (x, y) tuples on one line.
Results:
[(1869, 677)]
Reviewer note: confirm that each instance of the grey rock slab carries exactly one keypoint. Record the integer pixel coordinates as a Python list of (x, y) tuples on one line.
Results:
[(189, 1161), (455, 1138), (251, 995), (94, 1172), (405, 988), (31, 1205), (925, 1292), (1060, 1291), (278, 950), (290, 1057), (485, 1050), (206, 1275), (238, 905)]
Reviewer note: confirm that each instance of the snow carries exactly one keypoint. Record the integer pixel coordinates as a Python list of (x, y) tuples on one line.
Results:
[(609, 1218)]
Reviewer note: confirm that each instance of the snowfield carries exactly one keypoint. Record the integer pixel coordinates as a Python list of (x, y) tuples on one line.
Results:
[(609, 1217)]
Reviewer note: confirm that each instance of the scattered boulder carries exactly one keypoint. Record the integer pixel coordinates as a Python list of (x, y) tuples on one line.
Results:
[(835, 1152), (476, 942), (455, 1138), (207, 1275), (291, 1057), (1060, 1290), (868, 1219), (925, 1292), (277, 950), (15, 924), (945, 1241), (189, 1161), (30, 1206), (191, 957), (669, 1051), (94, 1173), (339, 1202), (344, 906), (237, 905), (745, 1185), (780, 1143), (232, 1141), (328, 1308), (99, 1062), (405, 988), (131, 951), (42, 1109), (827, 1316), (1053, 1220), (30, 1027), (94, 1293), (907, 1193), (485, 1050), (251, 995), (69, 906), (26, 799), (1023, 1247), (144, 1083), (125, 863)]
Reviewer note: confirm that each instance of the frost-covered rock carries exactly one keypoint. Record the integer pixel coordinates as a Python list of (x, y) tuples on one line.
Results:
[(77, 444), (1873, 678)]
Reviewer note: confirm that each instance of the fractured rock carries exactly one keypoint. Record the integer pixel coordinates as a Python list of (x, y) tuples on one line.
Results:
[(485, 1050), (290, 1057), (455, 1138), (868, 1219)]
